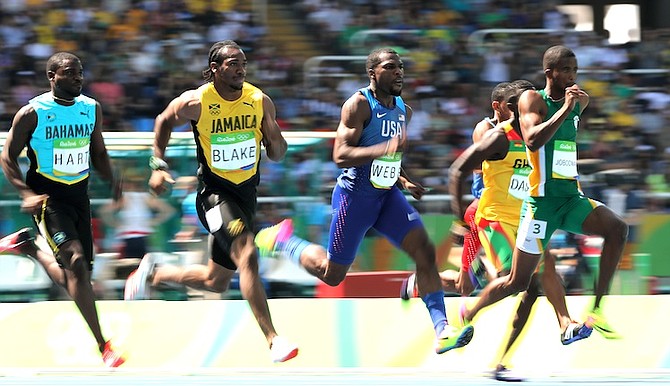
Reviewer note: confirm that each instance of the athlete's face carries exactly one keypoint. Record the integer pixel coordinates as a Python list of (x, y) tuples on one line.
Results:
[(564, 74), (67, 80), (388, 75), (233, 71), (503, 109)]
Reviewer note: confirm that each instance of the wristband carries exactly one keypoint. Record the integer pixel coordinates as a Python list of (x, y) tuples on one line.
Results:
[(461, 223), (460, 228), (156, 163)]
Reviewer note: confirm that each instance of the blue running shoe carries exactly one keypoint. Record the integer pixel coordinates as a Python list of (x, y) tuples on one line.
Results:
[(575, 332)]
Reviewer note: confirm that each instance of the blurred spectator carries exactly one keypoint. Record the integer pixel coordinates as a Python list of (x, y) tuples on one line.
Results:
[(184, 191), (588, 51), (496, 68), (657, 99), (135, 217), (24, 89), (145, 50)]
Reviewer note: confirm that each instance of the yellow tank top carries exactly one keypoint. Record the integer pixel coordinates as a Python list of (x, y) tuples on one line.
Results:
[(228, 133), (505, 183)]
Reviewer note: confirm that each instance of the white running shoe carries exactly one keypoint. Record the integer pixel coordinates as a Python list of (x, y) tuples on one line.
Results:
[(136, 284), (503, 374), (282, 350), (408, 288)]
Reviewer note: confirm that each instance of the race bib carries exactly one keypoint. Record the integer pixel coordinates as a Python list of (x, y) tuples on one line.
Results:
[(565, 160), (385, 171), (531, 234), (233, 151), (519, 183), (71, 156)]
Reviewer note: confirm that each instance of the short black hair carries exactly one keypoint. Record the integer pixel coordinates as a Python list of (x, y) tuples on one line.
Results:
[(56, 60), (553, 56), (374, 58), (516, 88), (499, 91)]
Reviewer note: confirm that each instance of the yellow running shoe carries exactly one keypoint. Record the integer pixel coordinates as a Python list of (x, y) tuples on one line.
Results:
[(266, 239), (599, 323), (461, 315), (452, 337)]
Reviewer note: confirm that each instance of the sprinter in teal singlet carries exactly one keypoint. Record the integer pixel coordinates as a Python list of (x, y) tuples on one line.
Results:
[(549, 121), (61, 131)]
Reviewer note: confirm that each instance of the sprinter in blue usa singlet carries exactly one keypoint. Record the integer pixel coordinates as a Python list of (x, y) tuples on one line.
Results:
[(369, 146)]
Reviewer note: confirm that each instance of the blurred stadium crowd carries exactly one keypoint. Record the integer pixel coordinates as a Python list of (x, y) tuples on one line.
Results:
[(138, 54)]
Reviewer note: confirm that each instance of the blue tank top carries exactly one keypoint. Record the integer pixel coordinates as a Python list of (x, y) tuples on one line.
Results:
[(377, 176)]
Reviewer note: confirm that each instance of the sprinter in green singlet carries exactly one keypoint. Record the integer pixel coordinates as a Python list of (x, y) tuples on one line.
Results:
[(549, 121)]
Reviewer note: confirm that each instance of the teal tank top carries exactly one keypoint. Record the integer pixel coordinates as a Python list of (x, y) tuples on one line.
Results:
[(59, 148)]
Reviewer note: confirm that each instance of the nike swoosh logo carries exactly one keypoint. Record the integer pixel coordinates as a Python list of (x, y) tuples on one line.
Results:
[(412, 216), (603, 329), (248, 104), (381, 115)]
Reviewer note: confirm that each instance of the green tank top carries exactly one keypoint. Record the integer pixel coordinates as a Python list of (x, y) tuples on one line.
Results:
[(554, 165)]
